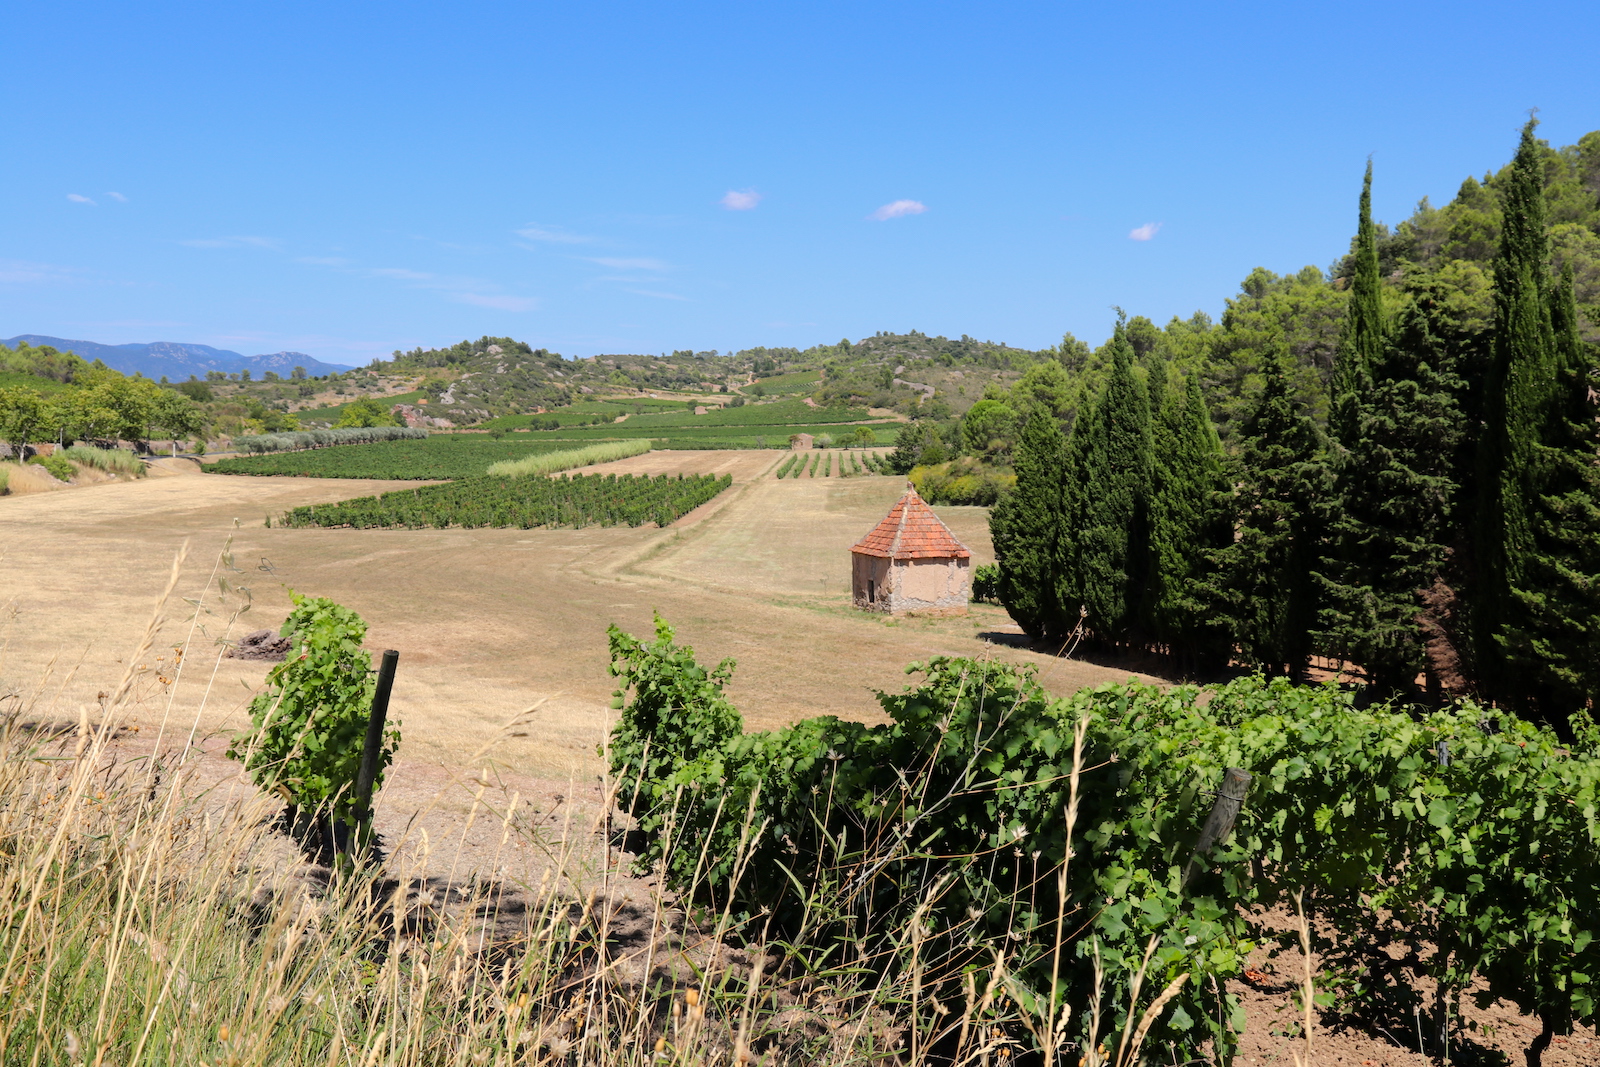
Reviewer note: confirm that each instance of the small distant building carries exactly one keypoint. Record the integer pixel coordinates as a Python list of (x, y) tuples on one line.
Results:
[(911, 562), (800, 442)]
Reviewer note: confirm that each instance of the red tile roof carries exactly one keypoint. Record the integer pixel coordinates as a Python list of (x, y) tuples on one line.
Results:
[(911, 531)]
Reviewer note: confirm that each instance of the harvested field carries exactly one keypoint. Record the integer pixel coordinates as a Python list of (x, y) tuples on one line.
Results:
[(488, 622)]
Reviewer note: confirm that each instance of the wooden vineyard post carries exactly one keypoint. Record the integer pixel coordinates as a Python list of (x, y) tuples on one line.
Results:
[(1219, 824), (368, 774)]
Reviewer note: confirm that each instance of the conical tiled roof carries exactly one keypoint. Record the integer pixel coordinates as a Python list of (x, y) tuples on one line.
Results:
[(911, 531)]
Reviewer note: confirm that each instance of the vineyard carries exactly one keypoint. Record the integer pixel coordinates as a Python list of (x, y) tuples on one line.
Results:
[(819, 464), (483, 501), (1437, 850), (437, 457)]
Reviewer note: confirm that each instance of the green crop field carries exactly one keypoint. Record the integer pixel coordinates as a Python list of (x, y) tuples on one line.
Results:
[(570, 500), (439, 456)]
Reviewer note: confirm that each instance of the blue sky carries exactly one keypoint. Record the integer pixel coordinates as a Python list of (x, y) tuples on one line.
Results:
[(346, 179)]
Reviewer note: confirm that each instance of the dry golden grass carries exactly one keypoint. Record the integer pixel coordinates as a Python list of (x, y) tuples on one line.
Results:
[(487, 621)]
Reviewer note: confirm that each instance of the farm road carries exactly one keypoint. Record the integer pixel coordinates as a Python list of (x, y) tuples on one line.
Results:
[(489, 622)]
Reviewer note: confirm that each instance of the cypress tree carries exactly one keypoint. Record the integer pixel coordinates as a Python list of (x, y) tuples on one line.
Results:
[(1189, 523), (1394, 431), (1111, 523), (1361, 337), (1026, 526), (1554, 638), (1516, 402), (1280, 478)]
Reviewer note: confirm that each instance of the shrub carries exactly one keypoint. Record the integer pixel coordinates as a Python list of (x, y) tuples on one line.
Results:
[(986, 583), (308, 727), (111, 460), (5, 478), (58, 467), (964, 481), (294, 440)]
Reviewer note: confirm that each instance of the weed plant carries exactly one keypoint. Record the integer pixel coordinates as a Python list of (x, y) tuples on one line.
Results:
[(59, 468), (110, 460)]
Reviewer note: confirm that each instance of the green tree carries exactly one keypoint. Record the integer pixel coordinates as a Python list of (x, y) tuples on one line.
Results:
[(1026, 528), (1395, 495), (1280, 480), (989, 428), (1189, 524), (1553, 638), (1111, 461), (24, 413), (178, 415), (1517, 401), (366, 412)]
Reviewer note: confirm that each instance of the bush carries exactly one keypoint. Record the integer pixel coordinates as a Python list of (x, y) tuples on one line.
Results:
[(294, 440), (964, 481), (309, 726), (58, 467), (986, 584), (5, 478), (110, 460)]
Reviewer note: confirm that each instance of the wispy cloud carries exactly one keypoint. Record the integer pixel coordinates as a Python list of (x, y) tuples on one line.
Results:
[(898, 209), (555, 236), (269, 243), (118, 197), (640, 263), (656, 294), (21, 272), (475, 291), (499, 303), (79, 198), (740, 199), (1145, 232)]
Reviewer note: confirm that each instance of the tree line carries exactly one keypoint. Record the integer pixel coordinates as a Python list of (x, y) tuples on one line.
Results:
[(1425, 505)]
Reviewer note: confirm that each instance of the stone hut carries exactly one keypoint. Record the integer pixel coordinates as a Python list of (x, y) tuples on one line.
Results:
[(911, 562), (800, 442)]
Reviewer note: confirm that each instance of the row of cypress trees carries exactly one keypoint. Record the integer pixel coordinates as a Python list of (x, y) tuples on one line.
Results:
[(1444, 524)]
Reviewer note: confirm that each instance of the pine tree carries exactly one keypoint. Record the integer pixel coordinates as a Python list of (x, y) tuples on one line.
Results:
[(1516, 410), (1394, 431), (1270, 595), (1026, 526), (1110, 525), (1189, 523)]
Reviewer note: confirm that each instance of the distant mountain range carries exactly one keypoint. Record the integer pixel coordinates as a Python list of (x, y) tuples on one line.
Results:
[(178, 361)]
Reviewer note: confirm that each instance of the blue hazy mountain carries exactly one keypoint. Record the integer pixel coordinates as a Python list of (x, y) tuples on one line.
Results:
[(178, 361)]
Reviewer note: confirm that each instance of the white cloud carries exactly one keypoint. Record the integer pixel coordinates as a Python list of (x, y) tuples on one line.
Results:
[(499, 303), (1145, 232), (118, 197), (740, 199), (898, 209), (629, 264), (657, 295), (78, 198), (559, 237)]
